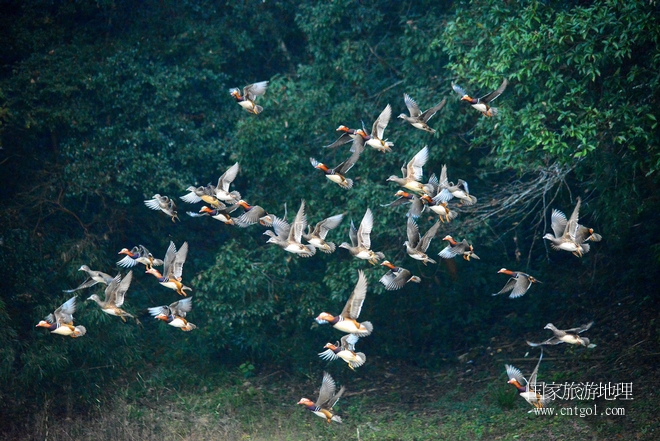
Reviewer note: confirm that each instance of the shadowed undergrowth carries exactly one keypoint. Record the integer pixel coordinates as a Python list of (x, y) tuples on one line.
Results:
[(393, 402)]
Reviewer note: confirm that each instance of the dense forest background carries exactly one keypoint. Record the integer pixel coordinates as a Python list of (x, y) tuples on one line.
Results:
[(105, 103)]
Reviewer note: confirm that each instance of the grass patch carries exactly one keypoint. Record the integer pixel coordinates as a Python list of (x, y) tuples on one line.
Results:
[(414, 404)]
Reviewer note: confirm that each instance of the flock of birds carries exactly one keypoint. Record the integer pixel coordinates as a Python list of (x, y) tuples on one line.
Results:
[(434, 196)]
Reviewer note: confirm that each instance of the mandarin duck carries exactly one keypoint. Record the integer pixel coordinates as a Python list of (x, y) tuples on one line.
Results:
[(457, 248), (417, 118), (318, 235), (93, 278), (114, 296), (375, 138), (345, 351), (518, 284), (530, 390), (459, 191), (138, 254), (221, 212), (568, 235), (61, 321), (337, 174), (175, 314), (446, 190), (326, 400), (412, 172), (347, 320), (250, 93), (360, 245), (164, 204), (288, 237), (570, 336), (482, 104), (172, 269), (416, 245), (397, 277), (252, 215)]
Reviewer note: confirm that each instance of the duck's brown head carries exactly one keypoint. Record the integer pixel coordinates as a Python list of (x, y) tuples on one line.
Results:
[(429, 200), (388, 264), (324, 317), (206, 209), (154, 271), (449, 239), (236, 93), (125, 251), (515, 383), (306, 402)]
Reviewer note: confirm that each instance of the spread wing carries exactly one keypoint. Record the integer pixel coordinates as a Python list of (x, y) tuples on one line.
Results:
[(332, 401), (353, 234), (345, 138), (364, 233), (428, 114), (430, 234), (558, 223), (381, 123), (508, 287), (281, 227), (395, 279), (357, 148), (459, 90), (572, 226), (157, 310), (514, 374), (228, 177), (158, 202), (170, 255), (299, 224), (444, 181), (179, 260), (413, 232), (354, 304), (532, 379), (348, 342), (250, 217), (550, 341), (580, 329), (493, 95), (181, 307), (120, 292), (414, 167), (111, 290), (412, 106), (64, 314), (327, 390), (254, 90), (321, 229)]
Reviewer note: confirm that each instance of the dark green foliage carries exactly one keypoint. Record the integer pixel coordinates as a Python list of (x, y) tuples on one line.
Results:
[(103, 104)]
